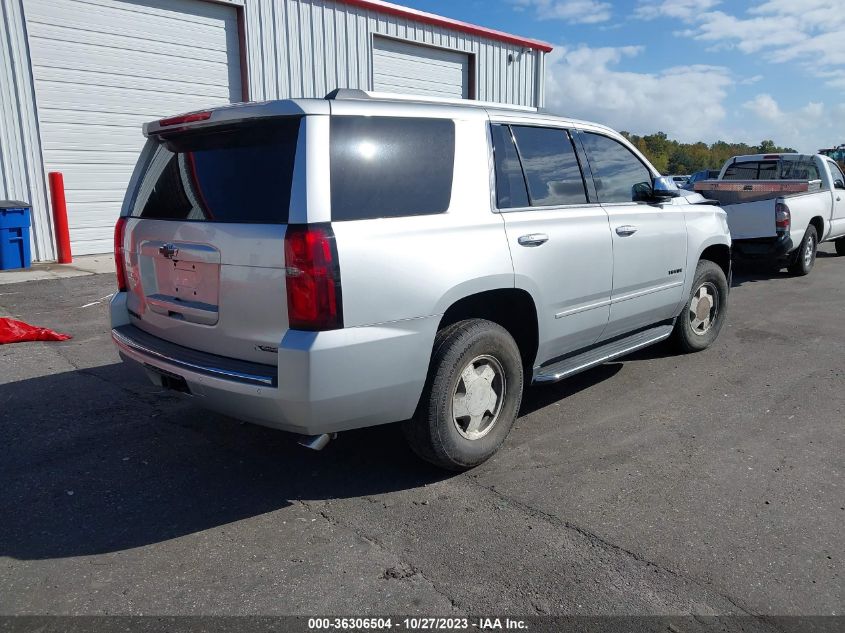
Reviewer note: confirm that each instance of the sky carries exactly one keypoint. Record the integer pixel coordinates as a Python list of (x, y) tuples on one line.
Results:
[(698, 70)]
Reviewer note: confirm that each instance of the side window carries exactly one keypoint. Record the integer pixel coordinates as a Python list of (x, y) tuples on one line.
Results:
[(619, 175), (386, 167), (551, 167), (837, 175), (510, 184)]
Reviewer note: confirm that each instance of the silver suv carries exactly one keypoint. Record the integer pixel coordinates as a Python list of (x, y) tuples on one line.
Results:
[(318, 265)]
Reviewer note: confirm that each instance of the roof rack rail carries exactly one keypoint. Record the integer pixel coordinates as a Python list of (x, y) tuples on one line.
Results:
[(355, 94), (347, 93)]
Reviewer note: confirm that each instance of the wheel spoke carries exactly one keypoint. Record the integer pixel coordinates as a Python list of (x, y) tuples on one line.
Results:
[(460, 407), (469, 376), (696, 323), (487, 374), (475, 423), (492, 401)]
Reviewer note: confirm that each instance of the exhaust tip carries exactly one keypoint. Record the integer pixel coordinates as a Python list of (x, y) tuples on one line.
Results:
[(316, 442)]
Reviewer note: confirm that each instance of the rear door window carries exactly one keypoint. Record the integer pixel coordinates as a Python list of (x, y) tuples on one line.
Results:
[(384, 167), (619, 175), (233, 173), (551, 168)]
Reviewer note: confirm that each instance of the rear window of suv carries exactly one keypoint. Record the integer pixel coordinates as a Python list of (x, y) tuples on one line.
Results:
[(384, 167), (234, 173)]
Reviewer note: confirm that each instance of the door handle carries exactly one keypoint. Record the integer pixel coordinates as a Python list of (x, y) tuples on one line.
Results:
[(533, 239), (626, 230)]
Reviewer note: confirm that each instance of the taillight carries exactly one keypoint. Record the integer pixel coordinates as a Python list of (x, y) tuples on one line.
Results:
[(312, 278), (119, 263), (783, 218)]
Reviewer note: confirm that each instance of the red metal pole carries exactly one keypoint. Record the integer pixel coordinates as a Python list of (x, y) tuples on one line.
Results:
[(57, 193)]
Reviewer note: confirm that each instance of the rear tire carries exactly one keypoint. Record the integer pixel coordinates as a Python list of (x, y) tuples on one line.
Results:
[(840, 246), (471, 396), (805, 257), (705, 311)]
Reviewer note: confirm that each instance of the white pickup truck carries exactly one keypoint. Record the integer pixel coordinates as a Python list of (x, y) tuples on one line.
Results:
[(781, 206)]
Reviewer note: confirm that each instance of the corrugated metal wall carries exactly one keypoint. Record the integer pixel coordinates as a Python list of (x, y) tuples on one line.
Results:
[(307, 48), (21, 168), (294, 48)]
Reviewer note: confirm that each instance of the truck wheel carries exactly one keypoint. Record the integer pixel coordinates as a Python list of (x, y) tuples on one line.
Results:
[(471, 396), (840, 246), (805, 256), (704, 314)]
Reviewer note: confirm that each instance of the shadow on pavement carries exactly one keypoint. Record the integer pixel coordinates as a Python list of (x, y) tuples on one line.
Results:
[(539, 397), (94, 465), (99, 461), (751, 272)]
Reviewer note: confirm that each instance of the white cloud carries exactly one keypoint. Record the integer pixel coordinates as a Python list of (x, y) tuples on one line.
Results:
[(806, 128), (679, 9), (685, 102), (572, 11), (765, 107), (810, 33), (835, 77)]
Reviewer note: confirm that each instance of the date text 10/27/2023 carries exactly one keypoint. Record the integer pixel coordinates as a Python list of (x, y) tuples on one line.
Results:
[(417, 624)]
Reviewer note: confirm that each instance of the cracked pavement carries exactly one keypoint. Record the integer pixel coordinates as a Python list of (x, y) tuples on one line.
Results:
[(661, 484)]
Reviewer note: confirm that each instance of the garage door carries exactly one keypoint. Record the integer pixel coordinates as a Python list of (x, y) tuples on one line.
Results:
[(104, 67), (415, 69)]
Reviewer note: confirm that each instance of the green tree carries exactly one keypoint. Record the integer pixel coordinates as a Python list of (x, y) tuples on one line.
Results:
[(671, 157)]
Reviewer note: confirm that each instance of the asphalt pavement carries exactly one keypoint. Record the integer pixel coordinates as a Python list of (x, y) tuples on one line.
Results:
[(705, 484)]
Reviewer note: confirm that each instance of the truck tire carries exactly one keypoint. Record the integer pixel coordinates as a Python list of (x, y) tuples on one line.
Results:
[(471, 396), (704, 313), (840, 246), (805, 256)]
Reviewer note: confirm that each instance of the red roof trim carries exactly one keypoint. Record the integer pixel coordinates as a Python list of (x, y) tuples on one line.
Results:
[(457, 25)]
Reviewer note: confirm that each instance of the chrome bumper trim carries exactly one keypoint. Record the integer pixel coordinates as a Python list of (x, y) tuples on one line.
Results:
[(130, 345)]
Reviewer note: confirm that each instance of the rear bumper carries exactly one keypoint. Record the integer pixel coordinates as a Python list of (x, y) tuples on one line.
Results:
[(324, 382), (764, 248)]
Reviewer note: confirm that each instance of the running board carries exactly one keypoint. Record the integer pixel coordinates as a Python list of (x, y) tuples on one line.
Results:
[(601, 354)]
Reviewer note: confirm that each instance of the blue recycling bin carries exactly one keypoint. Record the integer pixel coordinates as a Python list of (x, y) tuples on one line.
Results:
[(14, 234)]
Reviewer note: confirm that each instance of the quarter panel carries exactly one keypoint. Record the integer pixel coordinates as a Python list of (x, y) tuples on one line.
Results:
[(804, 208)]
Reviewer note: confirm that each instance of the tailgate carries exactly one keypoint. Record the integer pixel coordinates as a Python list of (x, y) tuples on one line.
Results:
[(749, 220), (204, 240)]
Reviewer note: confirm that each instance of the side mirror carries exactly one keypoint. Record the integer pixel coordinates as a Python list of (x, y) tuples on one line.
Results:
[(664, 188)]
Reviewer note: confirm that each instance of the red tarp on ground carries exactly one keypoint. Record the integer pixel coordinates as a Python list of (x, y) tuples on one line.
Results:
[(12, 331)]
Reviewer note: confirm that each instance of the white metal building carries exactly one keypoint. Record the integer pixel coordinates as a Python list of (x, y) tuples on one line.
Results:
[(79, 77)]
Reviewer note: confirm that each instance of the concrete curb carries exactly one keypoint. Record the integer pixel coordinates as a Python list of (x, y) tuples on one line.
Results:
[(81, 266)]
